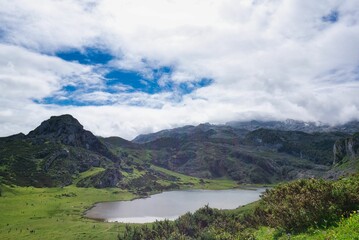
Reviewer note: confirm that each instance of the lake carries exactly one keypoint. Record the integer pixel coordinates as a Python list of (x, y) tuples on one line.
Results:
[(171, 205)]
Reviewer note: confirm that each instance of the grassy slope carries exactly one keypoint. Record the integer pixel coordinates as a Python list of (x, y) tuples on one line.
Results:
[(57, 213), (54, 213), (196, 182)]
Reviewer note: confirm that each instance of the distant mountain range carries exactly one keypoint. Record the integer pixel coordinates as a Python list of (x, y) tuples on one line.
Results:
[(60, 152), (295, 125), (243, 127)]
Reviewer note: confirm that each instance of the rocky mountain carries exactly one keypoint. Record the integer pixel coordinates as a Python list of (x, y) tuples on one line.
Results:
[(249, 152), (61, 152), (260, 156), (295, 125), (220, 131), (346, 148), (315, 147), (53, 154), (67, 130)]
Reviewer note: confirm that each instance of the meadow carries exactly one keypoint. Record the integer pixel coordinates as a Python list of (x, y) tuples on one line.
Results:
[(57, 213)]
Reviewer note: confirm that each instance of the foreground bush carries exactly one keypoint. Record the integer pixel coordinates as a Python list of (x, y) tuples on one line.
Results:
[(302, 204)]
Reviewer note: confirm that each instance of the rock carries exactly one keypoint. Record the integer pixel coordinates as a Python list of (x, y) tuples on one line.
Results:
[(67, 130), (346, 147)]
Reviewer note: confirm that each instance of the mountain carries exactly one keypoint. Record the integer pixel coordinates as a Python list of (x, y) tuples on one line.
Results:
[(346, 148), (221, 131), (248, 153), (346, 156), (316, 147), (117, 141), (67, 130), (61, 152), (295, 125), (260, 156), (53, 154)]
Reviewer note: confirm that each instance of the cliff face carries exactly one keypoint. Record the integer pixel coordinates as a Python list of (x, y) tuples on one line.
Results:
[(346, 147)]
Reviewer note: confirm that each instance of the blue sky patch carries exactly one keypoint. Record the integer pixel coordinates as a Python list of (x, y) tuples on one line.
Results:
[(123, 82), (332, 17), (134, 80), (87, 56), (61, 101), (117, 83), (69, 88), (137, 82)]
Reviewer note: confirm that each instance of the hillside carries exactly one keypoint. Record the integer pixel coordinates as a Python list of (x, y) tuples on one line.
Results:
[(245, 155), (52, 154), (61, 152)]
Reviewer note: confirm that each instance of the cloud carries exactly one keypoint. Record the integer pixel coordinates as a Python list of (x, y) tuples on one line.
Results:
[(268, 59)]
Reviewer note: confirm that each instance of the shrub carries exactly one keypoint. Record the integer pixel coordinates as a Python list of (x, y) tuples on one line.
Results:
[(308, 203)]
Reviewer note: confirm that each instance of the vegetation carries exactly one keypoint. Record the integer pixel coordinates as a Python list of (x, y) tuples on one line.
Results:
[(303, 209), (316, 147), (58, 151), (307, 209), (55, 213), (304, 204), (62, 155)]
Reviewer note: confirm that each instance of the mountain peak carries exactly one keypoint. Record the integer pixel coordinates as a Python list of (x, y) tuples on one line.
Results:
[(57, 126), (67, 130)]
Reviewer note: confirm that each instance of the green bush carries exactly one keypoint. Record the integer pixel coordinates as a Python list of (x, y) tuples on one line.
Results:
[(302, 204)]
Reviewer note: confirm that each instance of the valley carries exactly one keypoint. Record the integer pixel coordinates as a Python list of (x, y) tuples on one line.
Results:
[(51, 176)]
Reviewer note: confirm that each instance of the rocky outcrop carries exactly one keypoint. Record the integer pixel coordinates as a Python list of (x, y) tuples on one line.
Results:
[(346, 147), (67, 130)]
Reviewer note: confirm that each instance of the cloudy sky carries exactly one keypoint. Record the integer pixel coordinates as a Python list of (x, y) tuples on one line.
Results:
[(125, 67)]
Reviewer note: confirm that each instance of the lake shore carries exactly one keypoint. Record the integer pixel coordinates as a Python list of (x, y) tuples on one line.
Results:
[(57, 213)]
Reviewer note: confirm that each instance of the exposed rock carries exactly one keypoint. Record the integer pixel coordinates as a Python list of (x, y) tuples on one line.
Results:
[(67, 130), (346, 147)]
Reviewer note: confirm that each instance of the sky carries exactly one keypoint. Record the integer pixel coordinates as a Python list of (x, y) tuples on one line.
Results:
[(129, 67)]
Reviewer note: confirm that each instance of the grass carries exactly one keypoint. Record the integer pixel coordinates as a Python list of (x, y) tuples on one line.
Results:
[(92, 171), (57, 213), (186, 181)]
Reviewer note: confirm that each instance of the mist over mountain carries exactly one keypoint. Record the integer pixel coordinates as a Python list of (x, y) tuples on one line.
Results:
[(59, 150), (296, 125)]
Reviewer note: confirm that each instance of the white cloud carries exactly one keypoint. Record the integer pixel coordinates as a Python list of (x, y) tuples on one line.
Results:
[(272, 59)]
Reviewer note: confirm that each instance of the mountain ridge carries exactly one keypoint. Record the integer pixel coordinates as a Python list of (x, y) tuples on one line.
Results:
[(60, 149), (243, 127)]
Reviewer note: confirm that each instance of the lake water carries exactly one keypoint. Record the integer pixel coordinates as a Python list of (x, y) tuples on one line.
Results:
[(171, 205)]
